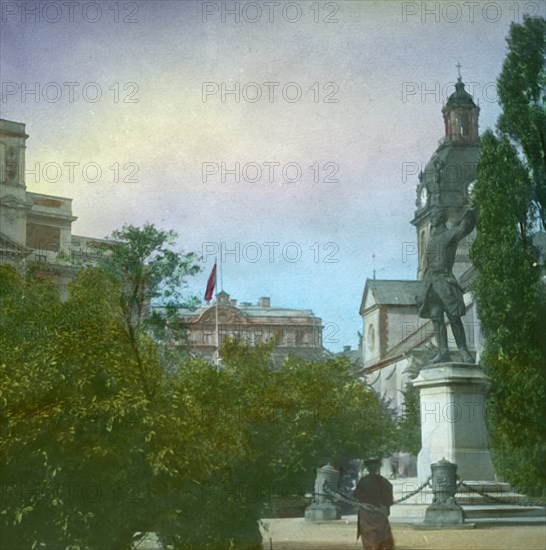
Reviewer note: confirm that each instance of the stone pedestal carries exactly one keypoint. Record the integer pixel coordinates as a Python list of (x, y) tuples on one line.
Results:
[(452, 397), (322, 512), (446, 513)]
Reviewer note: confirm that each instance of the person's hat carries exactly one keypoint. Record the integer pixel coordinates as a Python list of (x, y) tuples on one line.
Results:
[(374, 461)]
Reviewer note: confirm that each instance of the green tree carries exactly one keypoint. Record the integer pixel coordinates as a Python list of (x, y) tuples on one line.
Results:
[(409, 424), (97, 444), (143, 262), (511, 299), (522, 95), (70, 399), (274, 428), (83, 390)]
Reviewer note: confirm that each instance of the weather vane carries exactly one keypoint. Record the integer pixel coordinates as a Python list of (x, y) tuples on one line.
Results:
[(459, 68)]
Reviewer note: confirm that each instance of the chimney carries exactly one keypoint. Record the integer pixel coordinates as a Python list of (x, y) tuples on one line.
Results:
[(232, 302), (346, 349), (264, 302)]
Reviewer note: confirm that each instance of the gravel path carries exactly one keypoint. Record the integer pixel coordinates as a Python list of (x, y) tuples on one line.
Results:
[(297, 534)]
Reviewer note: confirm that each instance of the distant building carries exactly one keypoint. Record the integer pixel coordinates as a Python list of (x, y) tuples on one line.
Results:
[(353, 355), (36, 229), (395, 339), (300, 331)]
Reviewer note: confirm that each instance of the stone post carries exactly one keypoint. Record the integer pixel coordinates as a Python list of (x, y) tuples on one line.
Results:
[(444, 510), (323, 508)]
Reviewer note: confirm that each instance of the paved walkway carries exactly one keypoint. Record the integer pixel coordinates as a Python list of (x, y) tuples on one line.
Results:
[(298, 534)]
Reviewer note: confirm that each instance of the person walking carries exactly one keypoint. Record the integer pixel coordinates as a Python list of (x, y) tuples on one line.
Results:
[(375, 492), (394, 465)]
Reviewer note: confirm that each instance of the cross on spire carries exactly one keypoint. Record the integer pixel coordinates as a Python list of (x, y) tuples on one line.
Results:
[(459, 68)]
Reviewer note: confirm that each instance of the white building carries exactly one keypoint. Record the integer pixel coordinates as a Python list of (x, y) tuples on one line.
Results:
[(35, 229)]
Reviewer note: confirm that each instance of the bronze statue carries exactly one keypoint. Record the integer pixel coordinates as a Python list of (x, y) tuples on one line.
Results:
[(442, 292)]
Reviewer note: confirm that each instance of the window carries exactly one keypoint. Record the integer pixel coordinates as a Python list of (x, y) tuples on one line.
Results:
[(371, 337), (465, 127), (43, 237), (289, 337)]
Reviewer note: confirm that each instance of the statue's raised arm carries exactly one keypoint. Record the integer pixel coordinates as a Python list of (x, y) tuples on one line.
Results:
[(466, 224)]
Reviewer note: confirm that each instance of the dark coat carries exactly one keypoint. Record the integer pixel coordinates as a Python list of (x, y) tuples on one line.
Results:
[(375, 490)]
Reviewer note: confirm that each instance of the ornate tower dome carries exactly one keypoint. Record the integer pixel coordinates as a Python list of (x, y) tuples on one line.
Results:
[(449, 173), (461, 116)]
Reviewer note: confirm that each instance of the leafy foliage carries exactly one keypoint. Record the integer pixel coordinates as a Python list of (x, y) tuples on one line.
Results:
[(100, 440), (511, 298), (522, 94), (69, 402), (275, 426), (409, 425), (142, 261)]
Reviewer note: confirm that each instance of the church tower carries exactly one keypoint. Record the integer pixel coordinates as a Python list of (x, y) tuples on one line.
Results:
[(449, 174)]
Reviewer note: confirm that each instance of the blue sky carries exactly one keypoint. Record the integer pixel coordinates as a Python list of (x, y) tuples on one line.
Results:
[(333, 108)]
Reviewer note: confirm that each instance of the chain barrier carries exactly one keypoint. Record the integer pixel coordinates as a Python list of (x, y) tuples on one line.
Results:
[(413, 493), (337, 495)]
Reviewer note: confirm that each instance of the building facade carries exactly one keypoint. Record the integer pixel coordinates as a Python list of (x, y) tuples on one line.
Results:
[(36, 229), (299, 330)]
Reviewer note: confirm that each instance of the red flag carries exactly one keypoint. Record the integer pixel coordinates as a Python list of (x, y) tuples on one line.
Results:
[(211, 284)]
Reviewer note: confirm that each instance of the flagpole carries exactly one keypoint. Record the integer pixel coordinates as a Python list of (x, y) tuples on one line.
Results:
[(216, 315), (221, 270)]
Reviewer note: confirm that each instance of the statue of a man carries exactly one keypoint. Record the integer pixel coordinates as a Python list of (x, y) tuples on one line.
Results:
[(442, 292)]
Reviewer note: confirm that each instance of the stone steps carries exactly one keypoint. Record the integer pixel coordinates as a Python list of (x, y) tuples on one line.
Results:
[(497, 490), (478, 509), (502, 511), (498, 514)]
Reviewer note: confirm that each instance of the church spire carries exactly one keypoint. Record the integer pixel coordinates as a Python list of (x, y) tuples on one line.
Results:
[(461, 114)]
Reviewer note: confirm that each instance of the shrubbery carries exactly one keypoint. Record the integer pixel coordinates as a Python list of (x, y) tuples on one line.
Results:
[(99, 440)]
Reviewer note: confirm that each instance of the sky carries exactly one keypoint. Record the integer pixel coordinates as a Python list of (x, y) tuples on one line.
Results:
[(283, 137)]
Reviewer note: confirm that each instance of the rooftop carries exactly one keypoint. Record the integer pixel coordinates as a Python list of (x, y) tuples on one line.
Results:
[(394, 292), (261, 309)]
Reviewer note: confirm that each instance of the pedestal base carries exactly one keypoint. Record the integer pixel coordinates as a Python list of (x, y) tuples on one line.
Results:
[(444, 514), (322, 512), (452, 397)]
